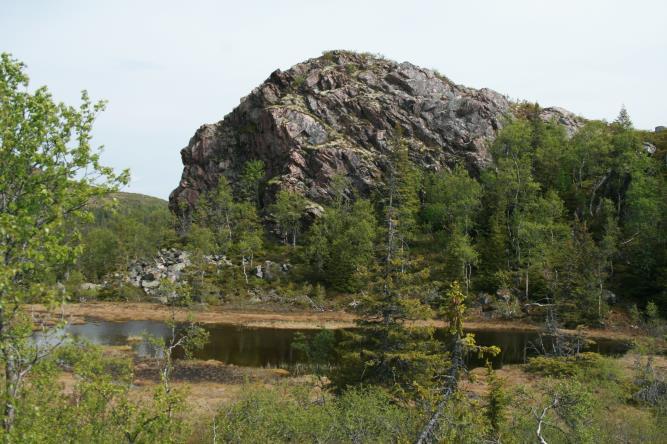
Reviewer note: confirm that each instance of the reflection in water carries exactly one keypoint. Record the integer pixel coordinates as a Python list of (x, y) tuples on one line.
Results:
[(263, 347)]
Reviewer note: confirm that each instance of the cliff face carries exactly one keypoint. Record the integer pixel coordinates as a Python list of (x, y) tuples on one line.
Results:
[(336, 115)]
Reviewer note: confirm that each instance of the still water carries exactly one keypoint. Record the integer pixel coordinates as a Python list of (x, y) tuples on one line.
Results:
[(270, 347)]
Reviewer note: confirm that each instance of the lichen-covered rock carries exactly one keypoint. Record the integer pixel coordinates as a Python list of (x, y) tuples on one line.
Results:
[(566, 118), (168, 263), (336, 115)]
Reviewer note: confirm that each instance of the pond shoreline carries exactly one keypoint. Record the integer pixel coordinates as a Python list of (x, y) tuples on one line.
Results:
[(77, 313)]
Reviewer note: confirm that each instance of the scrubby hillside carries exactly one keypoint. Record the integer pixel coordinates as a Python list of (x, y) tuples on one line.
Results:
[(126, 227)]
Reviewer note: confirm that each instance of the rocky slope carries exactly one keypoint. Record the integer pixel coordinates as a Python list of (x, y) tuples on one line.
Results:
[(336, 115)]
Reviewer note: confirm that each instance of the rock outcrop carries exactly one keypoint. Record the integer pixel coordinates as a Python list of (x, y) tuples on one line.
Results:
[(336, 115), (170, 263), (167, 264)]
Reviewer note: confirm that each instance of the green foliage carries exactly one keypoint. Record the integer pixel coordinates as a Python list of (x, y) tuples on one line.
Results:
[(635, 315), (650, 386), (341, 244), (286, 414), (329, 56), (215, 214), (569, 219), (583, 365), (463, 421), (651, 311), (560, 411), (498, 401), (288, 211), (97, 409), (298, 81), (452, 200), (125, 227), (318, 350), (351, 68), (227, 227), (118, 289), (48, 175), (251, 181)]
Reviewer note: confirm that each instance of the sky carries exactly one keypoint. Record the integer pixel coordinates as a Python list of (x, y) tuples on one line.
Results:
[(167, 67)]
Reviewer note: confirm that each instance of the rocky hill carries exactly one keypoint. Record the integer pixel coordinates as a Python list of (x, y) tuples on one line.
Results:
[(336, 115)]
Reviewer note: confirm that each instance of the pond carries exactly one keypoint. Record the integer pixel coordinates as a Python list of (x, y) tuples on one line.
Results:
[(270, 347)]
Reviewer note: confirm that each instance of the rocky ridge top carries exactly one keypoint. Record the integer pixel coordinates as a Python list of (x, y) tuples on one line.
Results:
[(336, 115)]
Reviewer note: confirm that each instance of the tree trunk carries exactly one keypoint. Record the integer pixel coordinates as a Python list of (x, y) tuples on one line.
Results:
[(427, 434), (244, 271), (600, 303), (11, 386), (11, 383)]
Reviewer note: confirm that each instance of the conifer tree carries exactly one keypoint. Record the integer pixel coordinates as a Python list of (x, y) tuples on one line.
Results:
[(341, 244), (384, 350)]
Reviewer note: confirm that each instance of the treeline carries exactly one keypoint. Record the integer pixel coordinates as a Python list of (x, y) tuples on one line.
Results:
[(572, 222)]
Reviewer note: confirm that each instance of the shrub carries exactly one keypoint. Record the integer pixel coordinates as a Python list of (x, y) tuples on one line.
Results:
[(589, 364), (118, 290), (299, 81), (287, 414), (329, 57)]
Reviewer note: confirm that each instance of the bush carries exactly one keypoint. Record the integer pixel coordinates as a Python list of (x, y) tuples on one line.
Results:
[(117, 290), (589, 364), (287, 414)]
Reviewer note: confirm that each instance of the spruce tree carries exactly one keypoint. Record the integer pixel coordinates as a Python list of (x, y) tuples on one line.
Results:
[(386, 349)]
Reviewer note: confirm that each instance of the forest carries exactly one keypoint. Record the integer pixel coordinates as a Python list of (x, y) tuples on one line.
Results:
[(563, 233)]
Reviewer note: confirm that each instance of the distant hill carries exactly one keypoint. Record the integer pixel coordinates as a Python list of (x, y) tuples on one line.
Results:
[(126, 227), (134, 201)]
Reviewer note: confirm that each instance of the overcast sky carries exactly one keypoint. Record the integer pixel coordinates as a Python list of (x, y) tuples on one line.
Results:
[(167, 67)]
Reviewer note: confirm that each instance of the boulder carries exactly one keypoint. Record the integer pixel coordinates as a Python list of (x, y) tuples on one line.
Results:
[(649, 147), (567, 119), (150, 284), (167, 264), (89, 286)]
